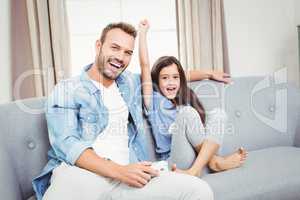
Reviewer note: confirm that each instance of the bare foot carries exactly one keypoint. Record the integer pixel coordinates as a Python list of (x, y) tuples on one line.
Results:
[(231, 161), (187, 171)]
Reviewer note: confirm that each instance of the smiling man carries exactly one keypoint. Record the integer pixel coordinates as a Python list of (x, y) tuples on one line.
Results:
[(96, 132)]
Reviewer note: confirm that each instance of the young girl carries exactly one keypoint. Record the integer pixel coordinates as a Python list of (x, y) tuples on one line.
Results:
[(181, 131)]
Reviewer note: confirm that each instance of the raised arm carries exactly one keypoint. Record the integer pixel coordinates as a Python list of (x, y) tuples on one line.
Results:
[(197, 75), (145, 64)]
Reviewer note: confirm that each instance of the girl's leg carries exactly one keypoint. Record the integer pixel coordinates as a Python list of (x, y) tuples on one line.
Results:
[(194, 147), (191, 148), (234, 160), (206, 152), (215, 128)]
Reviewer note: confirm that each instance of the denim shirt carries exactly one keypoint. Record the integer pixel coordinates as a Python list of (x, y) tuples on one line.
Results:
[(161, 113), (76, 115)]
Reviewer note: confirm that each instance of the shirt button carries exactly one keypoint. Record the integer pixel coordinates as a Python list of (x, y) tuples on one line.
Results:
[(42, 188)]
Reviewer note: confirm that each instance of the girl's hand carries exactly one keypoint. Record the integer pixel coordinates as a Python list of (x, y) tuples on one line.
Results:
[(220, 76), (144, 26)]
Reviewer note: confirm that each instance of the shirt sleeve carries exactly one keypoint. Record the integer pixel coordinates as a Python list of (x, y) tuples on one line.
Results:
[(151, 108), (146, 110), (63, 125)]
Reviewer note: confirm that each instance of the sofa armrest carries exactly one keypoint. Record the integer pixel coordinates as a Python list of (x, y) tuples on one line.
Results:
[(297, 135), (8, 182)]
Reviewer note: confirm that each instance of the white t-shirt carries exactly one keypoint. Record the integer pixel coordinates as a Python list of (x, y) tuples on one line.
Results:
[(112, 142)]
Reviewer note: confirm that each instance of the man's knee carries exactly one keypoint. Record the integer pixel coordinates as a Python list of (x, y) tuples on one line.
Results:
[(193, 187), (201, 190)]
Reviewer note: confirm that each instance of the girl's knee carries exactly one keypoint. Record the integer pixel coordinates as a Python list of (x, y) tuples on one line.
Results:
[(188, 113)]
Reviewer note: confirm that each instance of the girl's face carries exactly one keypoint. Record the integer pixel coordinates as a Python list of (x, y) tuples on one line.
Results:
[(169, 81)]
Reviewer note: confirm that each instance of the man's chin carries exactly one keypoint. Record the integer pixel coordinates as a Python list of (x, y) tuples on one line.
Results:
[(111, 76)]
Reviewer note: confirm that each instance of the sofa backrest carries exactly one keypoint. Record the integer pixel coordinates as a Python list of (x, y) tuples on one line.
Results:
[(262, 112)]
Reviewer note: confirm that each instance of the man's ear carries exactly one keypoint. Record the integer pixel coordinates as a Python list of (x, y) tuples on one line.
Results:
[(98, 46)]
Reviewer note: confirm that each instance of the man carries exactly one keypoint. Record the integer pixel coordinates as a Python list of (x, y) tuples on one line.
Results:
[(98, 149)]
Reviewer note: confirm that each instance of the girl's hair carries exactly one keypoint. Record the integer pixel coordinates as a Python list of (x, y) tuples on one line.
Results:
[(185, 95)]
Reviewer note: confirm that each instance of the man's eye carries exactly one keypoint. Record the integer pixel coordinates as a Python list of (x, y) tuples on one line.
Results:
[(114, 48), (128, 53)]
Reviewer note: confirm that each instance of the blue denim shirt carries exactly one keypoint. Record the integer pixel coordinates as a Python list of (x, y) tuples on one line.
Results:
[(76, 115), (161, 114)]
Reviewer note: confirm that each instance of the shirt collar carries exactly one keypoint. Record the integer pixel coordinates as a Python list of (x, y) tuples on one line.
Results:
[(164, 101), (86, 81)]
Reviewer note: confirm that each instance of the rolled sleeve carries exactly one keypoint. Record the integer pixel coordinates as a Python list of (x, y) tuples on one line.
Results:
[(138, 84), (63, 125), (76, 150), (151, 108)]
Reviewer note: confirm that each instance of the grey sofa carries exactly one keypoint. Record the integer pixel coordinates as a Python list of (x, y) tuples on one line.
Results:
[(263, 118)]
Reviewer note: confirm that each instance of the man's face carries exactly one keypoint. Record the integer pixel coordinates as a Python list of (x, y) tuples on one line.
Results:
[(114, 55)]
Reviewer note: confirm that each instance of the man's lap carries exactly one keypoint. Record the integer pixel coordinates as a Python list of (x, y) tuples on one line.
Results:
[(71, 182)]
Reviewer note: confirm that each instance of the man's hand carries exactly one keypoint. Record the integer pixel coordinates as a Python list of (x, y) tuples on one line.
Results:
[(136, 175), (220, 76), (144, 26)]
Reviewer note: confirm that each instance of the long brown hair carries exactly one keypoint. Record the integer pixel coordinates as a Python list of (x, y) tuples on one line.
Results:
[(185, 95)]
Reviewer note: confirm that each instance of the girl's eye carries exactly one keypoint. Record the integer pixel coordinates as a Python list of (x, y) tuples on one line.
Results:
[(176, 77)]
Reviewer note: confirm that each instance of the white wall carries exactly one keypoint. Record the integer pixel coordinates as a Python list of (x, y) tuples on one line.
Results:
[(88, 18), (297, 13), (297, 22), (5, 64), (262, 36)]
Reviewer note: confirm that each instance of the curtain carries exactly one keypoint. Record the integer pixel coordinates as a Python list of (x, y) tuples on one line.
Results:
[(50, 46), (201, 34)]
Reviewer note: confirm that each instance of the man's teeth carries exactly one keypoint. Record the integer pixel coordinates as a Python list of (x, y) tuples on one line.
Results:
[(116, 65)]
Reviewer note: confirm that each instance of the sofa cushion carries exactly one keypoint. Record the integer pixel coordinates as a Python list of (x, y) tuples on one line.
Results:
[(272, 173)]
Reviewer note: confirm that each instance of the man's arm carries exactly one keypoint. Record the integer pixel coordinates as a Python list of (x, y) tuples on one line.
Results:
[(145, 64), (197, 75), (65, 139), (136, 175)]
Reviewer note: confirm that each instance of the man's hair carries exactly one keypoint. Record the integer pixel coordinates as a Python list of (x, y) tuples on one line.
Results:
[(127, 28)]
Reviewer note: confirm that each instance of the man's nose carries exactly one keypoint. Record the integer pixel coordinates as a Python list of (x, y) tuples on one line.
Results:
[(120, 56)]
